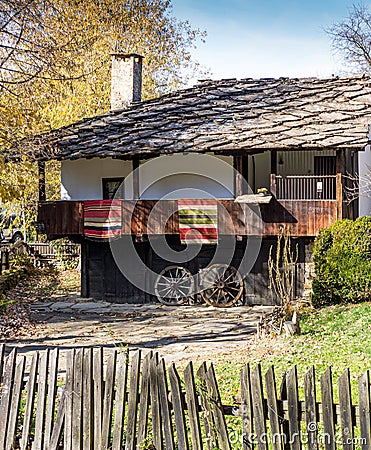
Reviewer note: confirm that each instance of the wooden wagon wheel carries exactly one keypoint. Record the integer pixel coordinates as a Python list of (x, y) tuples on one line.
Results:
[(222, 285), (174, 285)]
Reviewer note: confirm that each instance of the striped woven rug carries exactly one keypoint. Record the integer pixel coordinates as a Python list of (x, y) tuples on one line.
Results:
[(198, 221), (102, 219)]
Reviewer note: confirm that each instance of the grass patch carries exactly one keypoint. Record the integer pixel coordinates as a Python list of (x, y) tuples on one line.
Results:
[(334, 336)]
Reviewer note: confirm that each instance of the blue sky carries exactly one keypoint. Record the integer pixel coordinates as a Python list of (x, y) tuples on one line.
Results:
[(265, 38)]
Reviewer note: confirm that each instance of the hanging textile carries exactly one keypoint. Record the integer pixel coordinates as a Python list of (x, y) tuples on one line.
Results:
[(102, 219), (198, 221)]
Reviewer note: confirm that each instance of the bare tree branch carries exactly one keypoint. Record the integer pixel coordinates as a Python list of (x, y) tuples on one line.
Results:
[(359, 185), (352, 37)]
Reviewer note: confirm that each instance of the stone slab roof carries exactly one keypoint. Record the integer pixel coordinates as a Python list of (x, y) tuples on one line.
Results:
[(222, 116)]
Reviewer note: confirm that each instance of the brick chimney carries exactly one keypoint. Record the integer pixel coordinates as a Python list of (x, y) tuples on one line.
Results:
[(126, 80)]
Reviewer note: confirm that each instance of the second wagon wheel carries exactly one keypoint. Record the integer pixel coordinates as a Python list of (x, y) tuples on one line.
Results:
[(222, 285), (174, 285)]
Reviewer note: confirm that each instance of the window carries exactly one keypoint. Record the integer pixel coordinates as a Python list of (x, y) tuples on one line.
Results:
[(325, 165), (111, 186)]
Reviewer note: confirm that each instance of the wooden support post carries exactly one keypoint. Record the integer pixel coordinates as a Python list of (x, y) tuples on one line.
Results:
[(237, 175), (136, 178), (84, 269), (42, 191), (274, 161), (272, 187), (339, 182), (240, 165), (350, 169)]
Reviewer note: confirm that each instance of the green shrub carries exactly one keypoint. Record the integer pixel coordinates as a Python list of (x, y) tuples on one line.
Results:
[(66, 254), (342, 258)]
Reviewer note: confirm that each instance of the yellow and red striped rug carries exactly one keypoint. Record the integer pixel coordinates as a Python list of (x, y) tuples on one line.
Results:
[(198, 221)]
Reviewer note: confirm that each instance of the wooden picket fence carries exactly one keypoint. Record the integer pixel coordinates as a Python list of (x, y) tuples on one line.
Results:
[(43, 254), (104, 400)]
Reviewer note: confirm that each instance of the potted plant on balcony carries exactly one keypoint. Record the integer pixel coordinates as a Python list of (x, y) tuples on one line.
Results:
[(262, 191)]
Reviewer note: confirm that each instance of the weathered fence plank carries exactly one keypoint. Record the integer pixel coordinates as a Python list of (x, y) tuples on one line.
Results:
[(77, 400), (164, 404), (98, 396), (209, 424), (15, 403), (56, 435), (155, 404), (41, 401), (346, 413), (365, 410), (133, 402), (87, 400), (179, 407), (6, 395), (293, 408), (217, 409), (328, 410), (311, 413), (52, 390), (246, 408), (193, 407), (144, 400), (120, 399), (108, 399), (273, 410), (285, 422), (30, 400), (258, 408), (70, 361)]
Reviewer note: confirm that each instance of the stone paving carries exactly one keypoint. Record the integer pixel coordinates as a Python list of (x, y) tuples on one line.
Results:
[(177, 332)]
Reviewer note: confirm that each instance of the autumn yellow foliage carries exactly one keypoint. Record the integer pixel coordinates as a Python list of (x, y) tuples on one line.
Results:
[(55, 58)]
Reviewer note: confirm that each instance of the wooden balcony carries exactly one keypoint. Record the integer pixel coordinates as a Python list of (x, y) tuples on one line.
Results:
[(305, 187), (152, 217), (61, 218)]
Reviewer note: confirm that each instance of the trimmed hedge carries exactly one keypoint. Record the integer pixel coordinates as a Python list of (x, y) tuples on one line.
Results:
[(342, 259)]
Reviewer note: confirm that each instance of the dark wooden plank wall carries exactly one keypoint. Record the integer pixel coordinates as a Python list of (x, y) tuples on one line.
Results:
[(150, 217), (304, 217), (102, 279)]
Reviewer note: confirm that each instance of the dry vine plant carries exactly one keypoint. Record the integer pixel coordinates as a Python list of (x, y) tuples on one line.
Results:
[(281, 268)]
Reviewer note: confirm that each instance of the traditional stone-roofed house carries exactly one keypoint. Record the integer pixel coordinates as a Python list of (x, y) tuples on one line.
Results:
[(296, 138)]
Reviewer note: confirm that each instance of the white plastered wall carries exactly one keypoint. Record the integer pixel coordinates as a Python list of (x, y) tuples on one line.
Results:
[(81, 179), (191, 174), (186, 176), (259, 166)]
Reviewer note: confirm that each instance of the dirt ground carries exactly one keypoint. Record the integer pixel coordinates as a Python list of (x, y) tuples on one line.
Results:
[(53, 314)]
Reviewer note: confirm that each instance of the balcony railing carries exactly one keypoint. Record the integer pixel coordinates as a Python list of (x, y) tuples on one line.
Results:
[(305, 218), (305, 187)]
